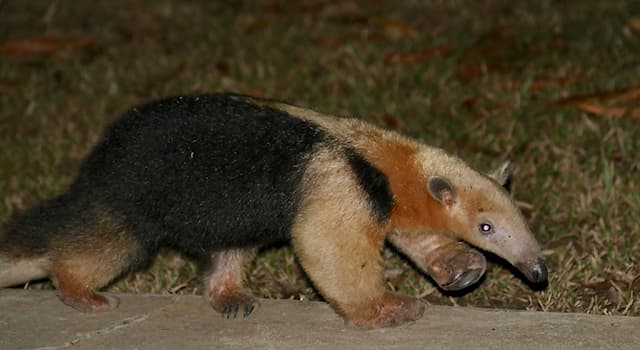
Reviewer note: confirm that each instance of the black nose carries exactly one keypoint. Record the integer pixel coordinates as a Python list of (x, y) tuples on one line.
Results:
[(538, 272)]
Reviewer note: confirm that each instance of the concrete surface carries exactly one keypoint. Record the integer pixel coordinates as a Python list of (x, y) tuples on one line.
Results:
[(37, 320)]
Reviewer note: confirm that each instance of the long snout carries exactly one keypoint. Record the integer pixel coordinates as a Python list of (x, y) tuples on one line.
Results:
[(534, 270)]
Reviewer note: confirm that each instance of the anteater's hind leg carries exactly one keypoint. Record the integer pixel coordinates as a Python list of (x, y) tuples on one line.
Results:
[(90, 256), (224, 282)]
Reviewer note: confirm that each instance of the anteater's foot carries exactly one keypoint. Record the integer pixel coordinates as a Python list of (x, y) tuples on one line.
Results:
[(457, 267), (91, 303), (391, 310), (230, 305)]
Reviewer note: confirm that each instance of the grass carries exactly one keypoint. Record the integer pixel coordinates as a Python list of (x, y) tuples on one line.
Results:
[(486, 80)]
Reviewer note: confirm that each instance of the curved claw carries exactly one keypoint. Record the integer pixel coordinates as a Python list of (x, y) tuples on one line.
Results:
[(230, 310), (458, 268), (464, 280), (231, 305), (248, 309)]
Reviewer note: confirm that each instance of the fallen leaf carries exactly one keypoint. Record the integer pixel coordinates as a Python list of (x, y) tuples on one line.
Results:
[(251, 92), (626, 96), (609, 104), (470, 103), (603, 95), (222, 67), (634, 23), (390, 122), (539, 84), (469, 72), (44, 45), (394, 28), (608, 111), (603, 285), (417, 56), (334, 41), (258, 25)]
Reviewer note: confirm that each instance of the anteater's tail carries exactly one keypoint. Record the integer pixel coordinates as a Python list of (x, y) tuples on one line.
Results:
[(25, 242), (15, 271)]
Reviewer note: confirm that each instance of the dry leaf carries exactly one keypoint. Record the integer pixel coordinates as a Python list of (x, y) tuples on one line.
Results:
[(626, 96), (258, 24), (44, 45), (634, 23), (608, 111), (610, 103), (251, 92), (603, 95), (394, 28), (469, 72), (604, 285), (417, 56), (390, 122), (539, 84)]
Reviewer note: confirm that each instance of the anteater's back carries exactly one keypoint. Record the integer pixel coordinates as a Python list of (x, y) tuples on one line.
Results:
[(197, 170), (197, 173)]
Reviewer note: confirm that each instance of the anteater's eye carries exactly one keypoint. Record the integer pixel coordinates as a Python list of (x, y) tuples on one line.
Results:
[(485, 228)]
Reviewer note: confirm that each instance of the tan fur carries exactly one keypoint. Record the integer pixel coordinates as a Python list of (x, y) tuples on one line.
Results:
[(335, 236), (392, 153), (96, 256), (338, 242)]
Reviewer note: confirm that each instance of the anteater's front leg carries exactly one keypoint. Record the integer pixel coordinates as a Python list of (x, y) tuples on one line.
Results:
[(342, 254), (452, 264), (338, 237), (224, 282), (345, 267)]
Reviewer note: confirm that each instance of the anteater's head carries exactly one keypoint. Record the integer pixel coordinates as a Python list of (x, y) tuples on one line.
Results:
[(477, 209)]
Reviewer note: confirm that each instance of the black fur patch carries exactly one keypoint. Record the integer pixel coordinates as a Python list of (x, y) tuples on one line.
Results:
[(198, 173), (201, 172), (374, 183)]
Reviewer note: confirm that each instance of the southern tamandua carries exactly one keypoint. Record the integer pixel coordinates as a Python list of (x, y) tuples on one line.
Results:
[(216, 176)]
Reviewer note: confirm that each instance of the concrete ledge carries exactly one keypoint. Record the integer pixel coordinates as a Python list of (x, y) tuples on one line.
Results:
[(38, 320)]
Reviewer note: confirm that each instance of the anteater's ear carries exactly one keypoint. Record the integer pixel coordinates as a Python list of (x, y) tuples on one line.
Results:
[(501, 173), (441, 190)]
